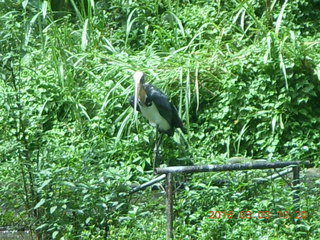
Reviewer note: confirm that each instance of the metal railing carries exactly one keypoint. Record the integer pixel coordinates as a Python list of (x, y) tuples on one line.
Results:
[(169, 171), (168, 174)]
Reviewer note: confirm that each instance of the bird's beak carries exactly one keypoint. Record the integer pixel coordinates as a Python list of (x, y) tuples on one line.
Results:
[(137, 86)]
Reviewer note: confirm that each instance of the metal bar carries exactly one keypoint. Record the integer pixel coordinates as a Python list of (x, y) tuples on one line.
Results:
[(169, 206), (274, 176), (147, 184), (229, 167), (295, 183)]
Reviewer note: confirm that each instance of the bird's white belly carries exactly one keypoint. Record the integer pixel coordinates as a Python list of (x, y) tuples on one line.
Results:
[(152, 114)]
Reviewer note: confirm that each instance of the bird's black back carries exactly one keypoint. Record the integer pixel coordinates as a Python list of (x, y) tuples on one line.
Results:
[(166, 109)]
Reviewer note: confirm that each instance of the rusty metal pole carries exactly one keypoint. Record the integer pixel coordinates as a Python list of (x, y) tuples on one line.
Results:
[(169, 205), (295, 184)]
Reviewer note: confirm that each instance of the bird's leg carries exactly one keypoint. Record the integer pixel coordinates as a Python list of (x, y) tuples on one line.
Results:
[(156, 155)]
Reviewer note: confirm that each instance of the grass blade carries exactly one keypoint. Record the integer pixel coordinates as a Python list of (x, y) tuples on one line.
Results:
[(84, 39), (279, 20), (197, 88), (284, 71), (44, 9), (242, 132), (179, 23), (123, 124), (129, 25)]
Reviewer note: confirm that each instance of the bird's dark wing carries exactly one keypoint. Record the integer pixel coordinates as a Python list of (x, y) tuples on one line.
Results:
[(160, 100), (166, 109), (131, 101)]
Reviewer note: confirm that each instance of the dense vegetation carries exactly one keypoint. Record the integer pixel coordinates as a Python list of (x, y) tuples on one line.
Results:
[(245, 76)]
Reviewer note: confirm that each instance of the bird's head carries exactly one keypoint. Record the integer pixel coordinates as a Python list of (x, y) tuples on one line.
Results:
[(139, 92)]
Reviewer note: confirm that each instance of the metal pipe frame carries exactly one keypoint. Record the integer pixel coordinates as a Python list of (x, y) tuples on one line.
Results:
[(169, 171), (229, 167), (147, 184), (169, 205)]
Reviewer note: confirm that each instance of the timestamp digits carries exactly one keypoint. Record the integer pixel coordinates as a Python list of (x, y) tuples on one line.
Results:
[(257, 215)]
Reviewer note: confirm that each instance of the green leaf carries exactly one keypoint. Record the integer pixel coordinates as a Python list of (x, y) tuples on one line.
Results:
[(70, 184), (54, 234), (88, 220), (25, 3), (40, 203), (53, 209), (45, 183), (42, 226), (140, 169)]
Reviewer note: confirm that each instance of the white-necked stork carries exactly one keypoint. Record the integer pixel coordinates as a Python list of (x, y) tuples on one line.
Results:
[(156, 108)]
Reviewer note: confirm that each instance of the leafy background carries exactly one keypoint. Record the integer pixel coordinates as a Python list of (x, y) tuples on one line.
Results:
[(245, 76)]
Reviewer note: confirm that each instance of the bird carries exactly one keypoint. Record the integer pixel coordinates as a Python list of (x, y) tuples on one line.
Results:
[(155, 106)]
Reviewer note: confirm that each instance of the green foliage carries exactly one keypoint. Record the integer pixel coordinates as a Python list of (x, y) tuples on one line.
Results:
[(245, 76)]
